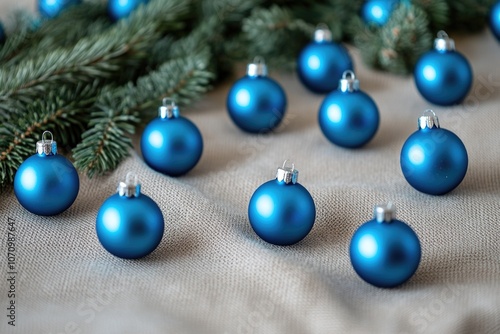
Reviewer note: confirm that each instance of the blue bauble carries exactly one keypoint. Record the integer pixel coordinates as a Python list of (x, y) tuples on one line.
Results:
[(321, 63), (171, 144), (129, 224), (495, 20), (385, 252), (433, 160), (52, 8), (256, 103), (378, 12), (281, 211), (348, 117), (118, 9), (46, 183), (443, 76), (2, 34)]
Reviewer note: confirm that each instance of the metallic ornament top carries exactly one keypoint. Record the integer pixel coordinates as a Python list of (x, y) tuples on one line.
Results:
[(428, 121), (322, 33), (287, 174), (169, 109), (258, 68), (131, 187), (444, 43), (46, 147), (348, 83), (385, 213)]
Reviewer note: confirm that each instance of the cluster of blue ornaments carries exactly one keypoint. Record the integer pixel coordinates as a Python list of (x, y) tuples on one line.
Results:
[(117, 9)]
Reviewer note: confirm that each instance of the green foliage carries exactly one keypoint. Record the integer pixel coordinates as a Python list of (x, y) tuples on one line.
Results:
[(92, 81)]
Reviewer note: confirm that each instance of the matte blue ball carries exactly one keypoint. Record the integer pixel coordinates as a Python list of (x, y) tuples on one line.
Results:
[(46, 185), (129, 227), (378, 12), (52, 8), (118, 9), (171, 146), (256, 104), (385, 254), (281, 214), (2, 34), (348, 119), (495, 20), (443, 78), (320, 66), (434, 161)]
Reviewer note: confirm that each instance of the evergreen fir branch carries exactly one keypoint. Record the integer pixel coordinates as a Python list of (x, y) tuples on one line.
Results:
[(64, 112), (334, 13), (284, 35), (103, 56), (396, 46), (438, 12), (18, 35), (469, 15), (119, 111)]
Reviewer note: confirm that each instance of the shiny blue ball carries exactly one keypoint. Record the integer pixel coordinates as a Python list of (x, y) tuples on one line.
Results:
[(378, 12), (118, 9), (443, 77), (281, 214), (46, 185), (434, 161), (52, 8), (320, 66), (129, 227), (172, 146), (495, 20), (348, 119), (256, 104), (385, 254)]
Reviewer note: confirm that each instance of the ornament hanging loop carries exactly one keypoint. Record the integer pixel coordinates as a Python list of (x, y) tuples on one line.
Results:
[(385, 213), (443, 42), (322, 33), (348, 83), (428, 120), (131, 187), (287, 174), (46, 147), (257, 68), (169, 109)]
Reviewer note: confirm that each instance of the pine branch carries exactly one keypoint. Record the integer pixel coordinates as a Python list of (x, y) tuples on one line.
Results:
[(66, 119), (103, 56), (107, 141), (469, 15), (19, 35), (396, 46), (284, 35), (438, 12)]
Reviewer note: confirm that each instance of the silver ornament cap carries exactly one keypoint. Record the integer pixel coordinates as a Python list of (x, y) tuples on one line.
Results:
[(322, 33), (131, 187), (169, 109), (289, 175), (444, 43), (257, 68), (348, 83), (385, 213), (46, 146), (428, 120)]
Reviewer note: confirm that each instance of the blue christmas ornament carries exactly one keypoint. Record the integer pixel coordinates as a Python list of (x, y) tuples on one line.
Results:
[(433, 160), (118, 9), (495, 20), (348, 117), (256, 103), (46, 183), (281, 211), (378, 12), (171, 144), (129, 224), (52, 8), (2, 34), (321, 63), (443, 76), (385, 252)]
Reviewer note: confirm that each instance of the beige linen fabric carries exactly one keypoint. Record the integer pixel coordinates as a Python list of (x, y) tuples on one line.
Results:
[(212, 274)]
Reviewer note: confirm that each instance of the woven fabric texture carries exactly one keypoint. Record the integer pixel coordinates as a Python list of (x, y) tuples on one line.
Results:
[(212, 274)]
